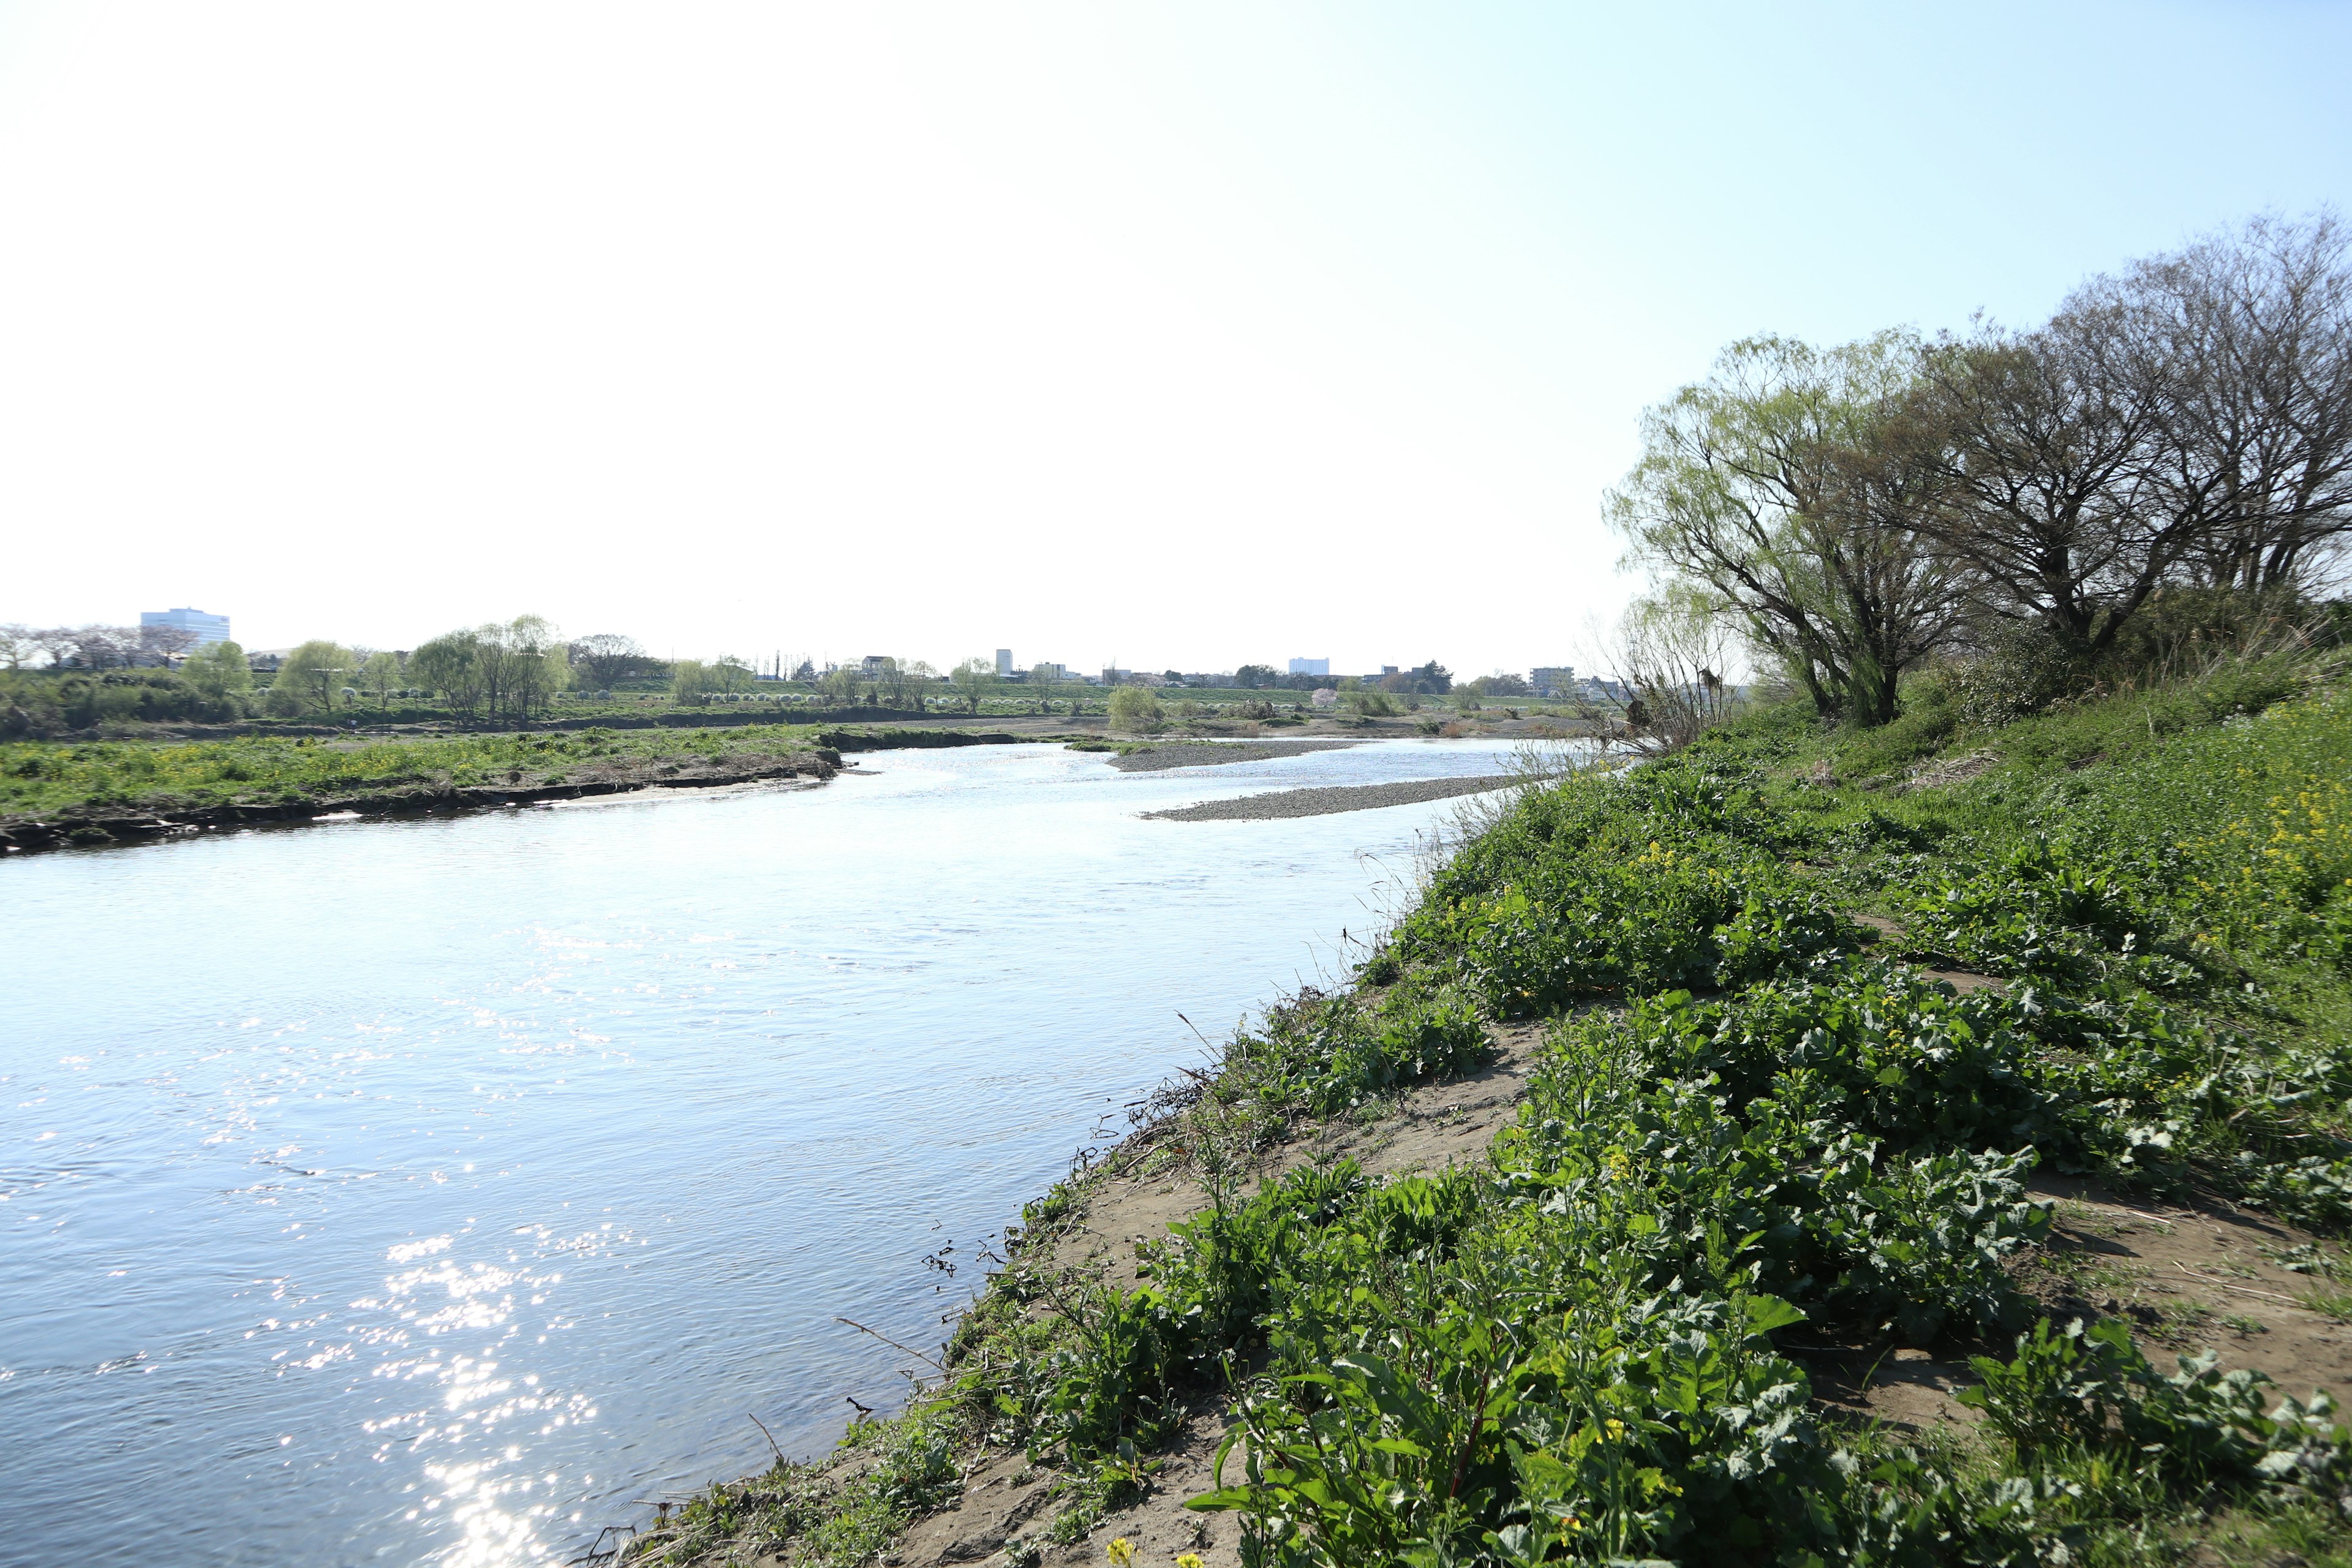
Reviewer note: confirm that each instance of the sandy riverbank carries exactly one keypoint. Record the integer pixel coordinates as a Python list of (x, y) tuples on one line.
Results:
[(1336, 799), (1216, 753)]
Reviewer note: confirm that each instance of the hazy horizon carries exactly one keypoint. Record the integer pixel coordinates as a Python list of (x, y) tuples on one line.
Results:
[(1183, 335)]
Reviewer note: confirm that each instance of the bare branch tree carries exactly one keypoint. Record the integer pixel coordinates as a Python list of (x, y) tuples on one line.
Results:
[(162, 643), (1669, 656), (2254, 443), (18, 645)]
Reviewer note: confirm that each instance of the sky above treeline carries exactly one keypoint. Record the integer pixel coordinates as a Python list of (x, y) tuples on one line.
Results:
[(1183, 334)]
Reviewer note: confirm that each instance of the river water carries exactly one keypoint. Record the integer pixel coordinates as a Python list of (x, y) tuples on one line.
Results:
[(432, 1190)]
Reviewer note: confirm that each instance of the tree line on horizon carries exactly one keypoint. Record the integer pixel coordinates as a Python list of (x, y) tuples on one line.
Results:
[(511, 671), (2165, 461)]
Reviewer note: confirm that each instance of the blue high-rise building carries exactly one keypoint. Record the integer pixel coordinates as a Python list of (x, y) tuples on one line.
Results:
[(208, 629)]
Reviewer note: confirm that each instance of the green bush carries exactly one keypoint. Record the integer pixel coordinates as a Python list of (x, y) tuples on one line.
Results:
[(1136, 709)]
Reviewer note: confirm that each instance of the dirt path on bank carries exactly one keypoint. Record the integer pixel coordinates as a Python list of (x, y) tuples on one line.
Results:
[(2203, 1274)]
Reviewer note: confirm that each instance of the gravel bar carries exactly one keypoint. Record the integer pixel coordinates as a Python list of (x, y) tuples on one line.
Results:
[(1324, 802), (1212, 753)]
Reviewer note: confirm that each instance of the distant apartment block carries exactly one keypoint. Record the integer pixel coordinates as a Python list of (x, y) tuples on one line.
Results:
[(1003, 663), (1310, 667), (1554, 681), (208, 629)]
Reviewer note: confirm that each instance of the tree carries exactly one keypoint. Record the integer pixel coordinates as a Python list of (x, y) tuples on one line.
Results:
[(17, 644), (94, 646), (1043, 679), (891, 682), (805, 673), (521, 665), (1250, 677), (56, 643), (606, 659), (920, 679), (1784, 487), (838, 686), (1135, 708), (1669, 656), (1432, 679), (218, 672), (973, 680), (311, 679), (451, 665), (160, 645), (380, 675), (2044, 438), (731, 673), (2242, 343), (691, 682)]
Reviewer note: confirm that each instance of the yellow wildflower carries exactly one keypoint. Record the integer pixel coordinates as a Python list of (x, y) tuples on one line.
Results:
[(1189, 1560), (1122, 1551)]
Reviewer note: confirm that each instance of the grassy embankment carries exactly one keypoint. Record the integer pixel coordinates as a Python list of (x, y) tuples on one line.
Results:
[(97, 781), (1755, 1121), (151, 704)]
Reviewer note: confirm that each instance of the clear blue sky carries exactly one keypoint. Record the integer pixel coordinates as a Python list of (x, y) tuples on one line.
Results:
[(1186, 333)]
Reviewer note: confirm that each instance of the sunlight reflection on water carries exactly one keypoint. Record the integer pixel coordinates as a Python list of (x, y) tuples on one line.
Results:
[(431, 1191)]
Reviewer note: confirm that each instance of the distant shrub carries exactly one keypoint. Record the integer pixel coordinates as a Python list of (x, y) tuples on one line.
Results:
[(1136, 707)]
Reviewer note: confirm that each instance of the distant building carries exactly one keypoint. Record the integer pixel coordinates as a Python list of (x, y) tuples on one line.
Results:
[(208, 629), (1553, 681), (872, 665), (1388, 669), (1005, 663), (1310, 667)]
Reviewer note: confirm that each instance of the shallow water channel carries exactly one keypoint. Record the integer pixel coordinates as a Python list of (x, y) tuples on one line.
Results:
[(432, 1191)]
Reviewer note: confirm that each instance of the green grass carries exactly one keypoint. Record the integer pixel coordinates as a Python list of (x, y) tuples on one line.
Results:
[(41, 778), (1754, 1119)]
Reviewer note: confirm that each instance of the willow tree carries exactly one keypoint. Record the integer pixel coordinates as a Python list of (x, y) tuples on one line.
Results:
[(311, 678), (973, 680), (219, 671), (524, 662), (451, 665), (1788, 487)]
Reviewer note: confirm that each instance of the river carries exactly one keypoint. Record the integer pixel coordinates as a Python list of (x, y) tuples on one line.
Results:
[(383, 1192)]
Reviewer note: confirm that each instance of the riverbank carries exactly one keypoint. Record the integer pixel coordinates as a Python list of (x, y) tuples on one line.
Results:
[(1160, 756), (2012, 1061), (93, 795), (1277, 804)]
